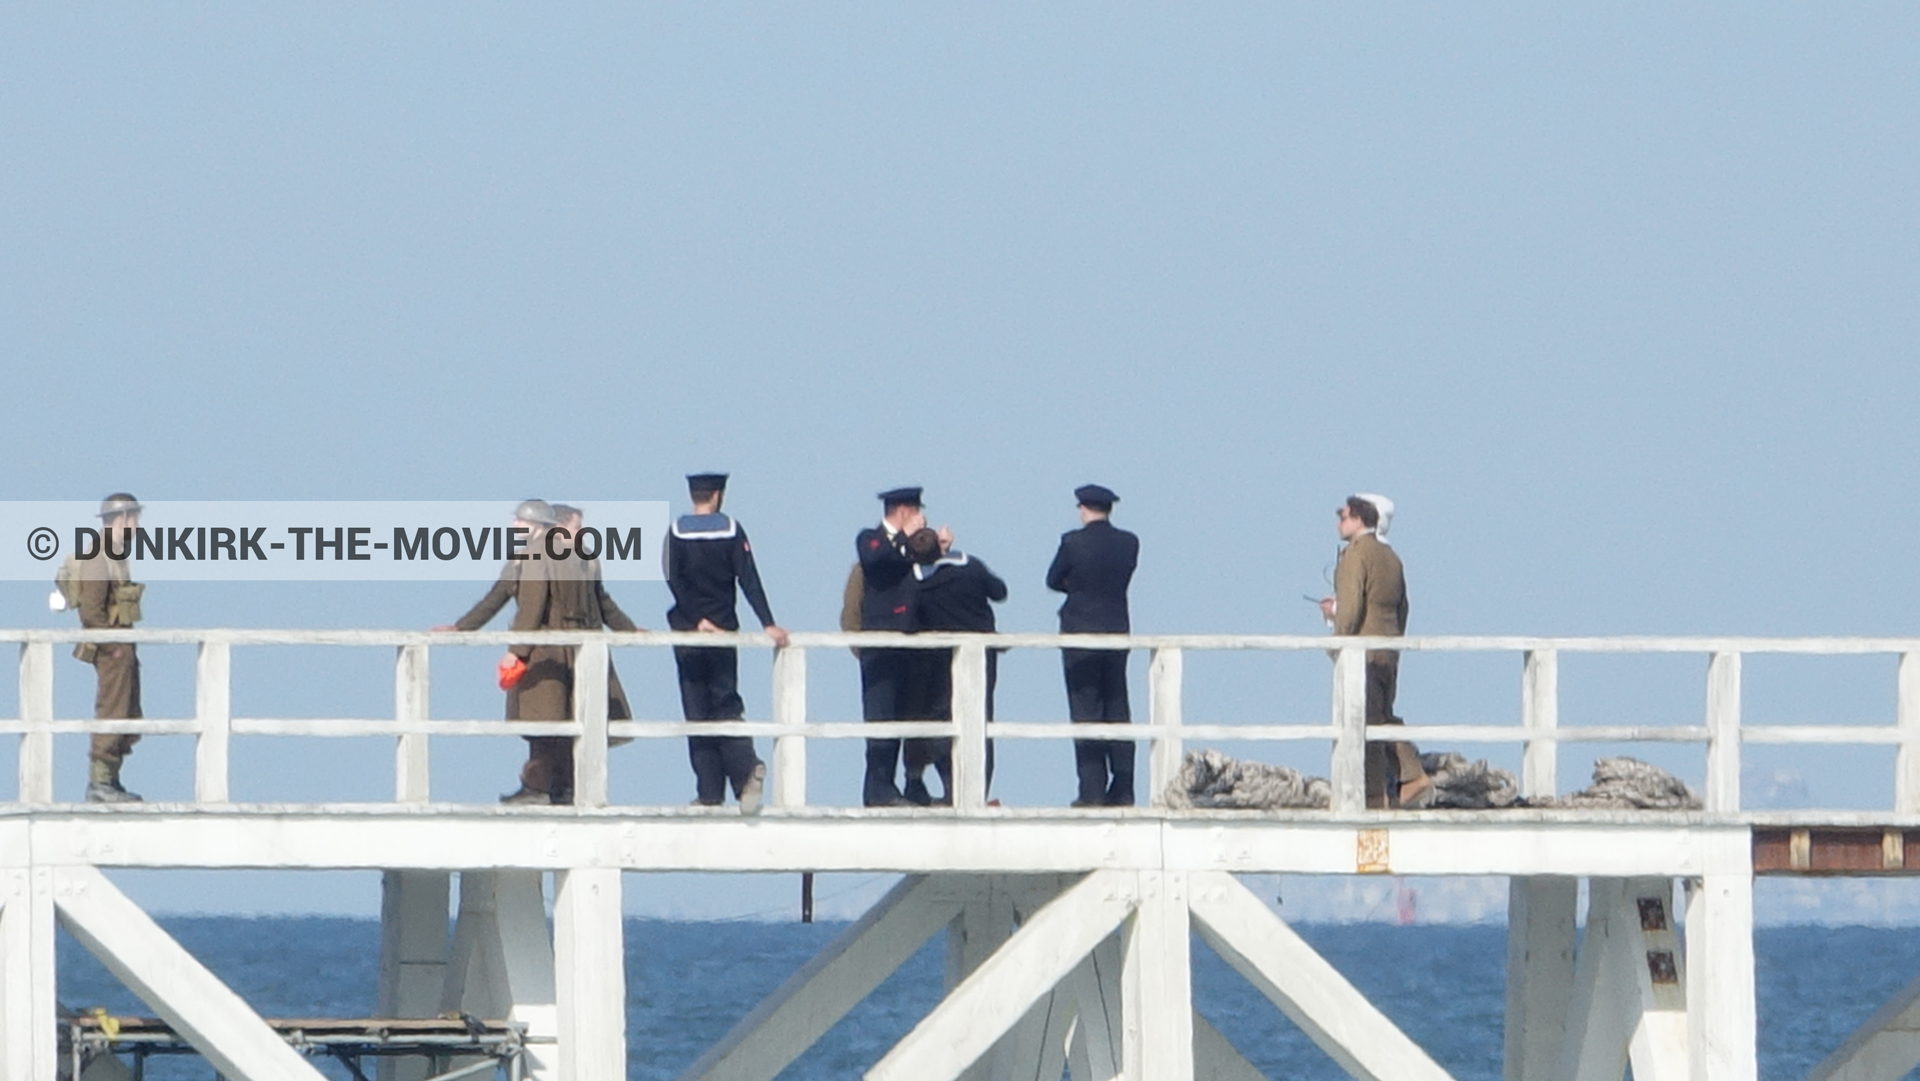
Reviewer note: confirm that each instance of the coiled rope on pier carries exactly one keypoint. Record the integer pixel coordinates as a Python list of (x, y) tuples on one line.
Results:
[(1209, 779), (1212, 780), (1628, 784)]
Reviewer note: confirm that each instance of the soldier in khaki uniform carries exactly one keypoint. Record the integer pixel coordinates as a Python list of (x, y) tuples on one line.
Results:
[(548, 596), (1370, 599), (109, 598)]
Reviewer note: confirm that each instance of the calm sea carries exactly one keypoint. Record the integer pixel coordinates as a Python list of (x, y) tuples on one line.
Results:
[(687, 983)]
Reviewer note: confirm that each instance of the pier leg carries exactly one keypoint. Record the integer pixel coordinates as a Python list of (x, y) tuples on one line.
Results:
[(1156, 982), (983, 925), (1036, 1050), (1630, 1000), (1720, 979), (1095, 1051), (590, 976), (978, 930), (414, 948), (1037, 1046), (1659, 1050), (502, 965), (1602, 1019), (28, 1048), (1542, 913)]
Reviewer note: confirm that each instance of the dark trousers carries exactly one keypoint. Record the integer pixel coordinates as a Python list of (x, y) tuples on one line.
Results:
[(710, 691), (882, 672), (545, 693), (926, 694), (116, 697), (936, 702), (1097, 693), (1390, 764), (549, 767)]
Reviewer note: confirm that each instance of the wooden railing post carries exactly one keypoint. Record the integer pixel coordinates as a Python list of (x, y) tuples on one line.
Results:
[(1540, 713), (590, 710), (969, 707), (790, 707), (213, 712), (1906, 774), (1163, 702), (1723, 733), (411, 765), (1350, 730), (36, 708)]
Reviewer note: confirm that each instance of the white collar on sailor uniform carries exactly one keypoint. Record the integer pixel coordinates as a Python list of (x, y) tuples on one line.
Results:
[(732, 530), (954, 559)]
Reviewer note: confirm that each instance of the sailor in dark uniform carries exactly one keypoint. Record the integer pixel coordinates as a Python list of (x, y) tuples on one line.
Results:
[(886, 604), (707, 556), (1093, 568), (954, 592)]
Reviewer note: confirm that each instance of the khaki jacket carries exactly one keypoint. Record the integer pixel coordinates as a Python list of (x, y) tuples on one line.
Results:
[(557, 597), (108, 596), (850, 599), (1369, 590)]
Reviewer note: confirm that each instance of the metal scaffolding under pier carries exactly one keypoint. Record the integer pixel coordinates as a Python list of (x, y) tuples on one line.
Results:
[(452, 1049), (1068, 932)]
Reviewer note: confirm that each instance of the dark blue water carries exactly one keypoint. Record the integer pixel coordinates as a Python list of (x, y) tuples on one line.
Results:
[(687, 983)]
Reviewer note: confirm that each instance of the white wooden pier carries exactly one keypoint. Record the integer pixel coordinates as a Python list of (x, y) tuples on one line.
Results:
[(1067, 931)]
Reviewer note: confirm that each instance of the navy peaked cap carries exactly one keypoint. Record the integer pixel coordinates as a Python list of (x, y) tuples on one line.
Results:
[(1095, 495), (894, 497), (707, 482)]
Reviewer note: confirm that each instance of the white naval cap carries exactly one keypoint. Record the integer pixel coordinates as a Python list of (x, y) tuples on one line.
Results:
[(1384, 506)]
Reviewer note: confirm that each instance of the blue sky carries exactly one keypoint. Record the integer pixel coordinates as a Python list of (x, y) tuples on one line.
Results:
[(1617, 304)]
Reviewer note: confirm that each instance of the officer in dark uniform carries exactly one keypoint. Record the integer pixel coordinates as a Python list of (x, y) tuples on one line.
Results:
[(708, 556), (954, 592), (886, 604), (1093, 568)]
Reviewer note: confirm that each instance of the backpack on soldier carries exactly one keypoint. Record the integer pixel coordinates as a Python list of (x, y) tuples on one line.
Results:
[(66, 587)]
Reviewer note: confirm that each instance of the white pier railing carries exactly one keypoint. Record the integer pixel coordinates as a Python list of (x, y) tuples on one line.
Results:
[(213, 725)]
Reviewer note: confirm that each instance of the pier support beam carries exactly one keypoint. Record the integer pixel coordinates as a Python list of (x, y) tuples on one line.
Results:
[(1157, 982), (28, 1049), (1542, 919), (414, 949), (1720, 979), (1216, 1059), (1096, 1051), (1600, 1025), (983, 925), (590, 975), (1311, 992), (191, 1000), (796, 1015), (986, 1004), (1631, 998), (1885, 1048), (502, 960)]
